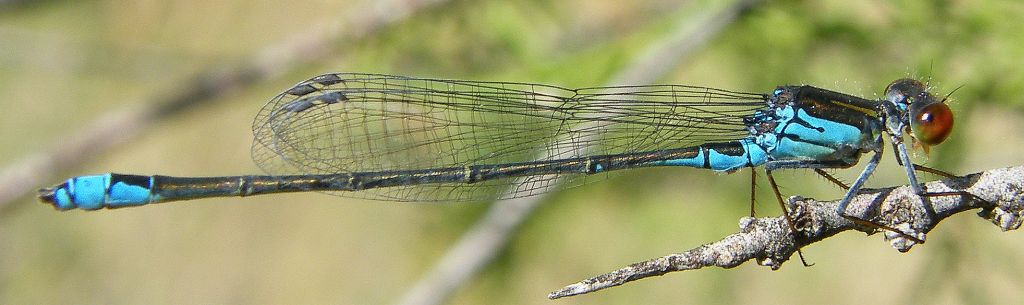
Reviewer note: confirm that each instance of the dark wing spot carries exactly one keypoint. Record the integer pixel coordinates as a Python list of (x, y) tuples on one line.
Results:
[(328, 79), (333, 97), (301, 90), (306, 103), (298, 106)]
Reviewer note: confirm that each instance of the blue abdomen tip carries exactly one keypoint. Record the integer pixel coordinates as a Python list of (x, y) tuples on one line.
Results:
[(99, 191)]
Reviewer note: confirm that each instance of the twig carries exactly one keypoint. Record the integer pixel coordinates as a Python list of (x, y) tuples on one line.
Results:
[(999, 193), (481, 243)]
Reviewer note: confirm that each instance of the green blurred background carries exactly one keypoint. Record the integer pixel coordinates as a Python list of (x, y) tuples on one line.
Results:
[(64, 65)]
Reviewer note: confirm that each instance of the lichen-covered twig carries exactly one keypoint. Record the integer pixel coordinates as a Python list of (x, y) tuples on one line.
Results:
[(998, 193)]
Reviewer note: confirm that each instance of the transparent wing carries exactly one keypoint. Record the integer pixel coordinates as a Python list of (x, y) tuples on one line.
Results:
[(347, 122)]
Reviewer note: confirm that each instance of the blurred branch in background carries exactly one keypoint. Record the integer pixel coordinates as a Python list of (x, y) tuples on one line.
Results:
[(767, 239), (119, 126), (485, 240)]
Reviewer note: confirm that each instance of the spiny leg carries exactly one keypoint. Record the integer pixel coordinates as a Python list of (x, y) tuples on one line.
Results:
[(903, 158), (793, 164), (937, 172), (947, 175), (896, 147), (785, 212), (753, 189), (851, 190), (842, 185), (830, 178), (868, 170)]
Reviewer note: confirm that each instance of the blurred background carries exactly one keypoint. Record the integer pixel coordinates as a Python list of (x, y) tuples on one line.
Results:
[(171, 87)]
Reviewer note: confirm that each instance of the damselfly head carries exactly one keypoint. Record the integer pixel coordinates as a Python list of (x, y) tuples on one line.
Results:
[(931, 121)]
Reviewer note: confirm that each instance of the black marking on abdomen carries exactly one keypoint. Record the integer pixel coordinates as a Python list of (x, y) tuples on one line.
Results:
[(707, 157), (134, 180)]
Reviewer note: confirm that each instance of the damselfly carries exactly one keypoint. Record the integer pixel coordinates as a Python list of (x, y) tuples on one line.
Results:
[(419, 139)]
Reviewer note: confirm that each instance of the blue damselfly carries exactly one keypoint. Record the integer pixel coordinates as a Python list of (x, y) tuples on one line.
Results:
[(402, 138)]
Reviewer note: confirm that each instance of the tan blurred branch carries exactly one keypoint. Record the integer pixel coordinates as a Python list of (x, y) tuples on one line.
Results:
[(768, 240), (25, 175)]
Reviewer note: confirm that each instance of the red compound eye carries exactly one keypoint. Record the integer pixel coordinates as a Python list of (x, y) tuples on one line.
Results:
[(932, 123)]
